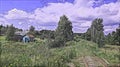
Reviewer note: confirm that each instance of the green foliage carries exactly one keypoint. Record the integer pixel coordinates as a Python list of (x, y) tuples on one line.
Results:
[(47, 34), (117, 36), (0, 48), (20, 60), (64, 29), (110, 54), (35, 54), (114, 37), (88, 35), (71, 43), (63, 32), (32, 30), (38, 54), (10, 32), (0, 29), (58, 42), (110, 38), (3, 30), (95, 32)]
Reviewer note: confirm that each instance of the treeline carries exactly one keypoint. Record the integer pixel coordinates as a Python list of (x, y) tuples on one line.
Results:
[(3, 29), (114, 37), (64, 33), (96, 34), (10, 30)]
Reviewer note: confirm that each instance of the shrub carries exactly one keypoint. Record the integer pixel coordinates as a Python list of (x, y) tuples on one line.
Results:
[(70, 43), (58, 42)]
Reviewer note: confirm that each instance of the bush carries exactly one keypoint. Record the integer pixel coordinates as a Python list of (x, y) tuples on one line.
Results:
[(70, 43), (58, 42), (18, 61)]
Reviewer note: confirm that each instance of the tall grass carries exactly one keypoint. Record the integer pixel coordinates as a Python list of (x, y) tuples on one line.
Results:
[(16, 54), (34, 54)]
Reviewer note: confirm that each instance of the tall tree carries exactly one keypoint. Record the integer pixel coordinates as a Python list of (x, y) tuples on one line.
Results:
[(64, 29), (63, 32), (10, 32), (32, 30), (95, 32)]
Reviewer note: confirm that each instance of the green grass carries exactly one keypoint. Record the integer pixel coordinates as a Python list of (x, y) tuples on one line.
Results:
[(110, 53), (34, 54), (38, 54), (2, 38)]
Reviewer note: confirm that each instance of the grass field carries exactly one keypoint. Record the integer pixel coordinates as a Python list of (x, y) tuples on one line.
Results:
[(38, 54)]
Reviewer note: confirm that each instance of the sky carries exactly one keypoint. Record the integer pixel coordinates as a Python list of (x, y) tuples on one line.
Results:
[(45, 14)]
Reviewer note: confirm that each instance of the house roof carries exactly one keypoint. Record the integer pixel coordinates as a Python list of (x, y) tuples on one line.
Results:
[(21, 32)]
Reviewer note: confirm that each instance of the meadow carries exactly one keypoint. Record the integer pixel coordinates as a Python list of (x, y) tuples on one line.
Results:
[(38, 54)]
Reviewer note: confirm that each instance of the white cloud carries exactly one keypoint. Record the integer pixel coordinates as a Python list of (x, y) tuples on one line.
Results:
[(3, 21), (81, 13), (20, 23), (83, 3), (16, 14), (109, 29), (87, 23)]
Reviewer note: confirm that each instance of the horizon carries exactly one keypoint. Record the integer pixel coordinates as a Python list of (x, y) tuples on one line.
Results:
[(45, 14)]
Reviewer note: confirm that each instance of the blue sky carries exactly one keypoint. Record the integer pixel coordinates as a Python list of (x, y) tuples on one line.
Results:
[(44, 14), (27, 5), (30, 5)]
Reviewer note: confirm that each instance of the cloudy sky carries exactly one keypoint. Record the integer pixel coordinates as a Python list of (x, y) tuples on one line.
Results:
[(44, 14)]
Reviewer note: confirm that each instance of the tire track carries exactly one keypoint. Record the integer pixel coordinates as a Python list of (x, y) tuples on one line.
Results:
[(94, 62)]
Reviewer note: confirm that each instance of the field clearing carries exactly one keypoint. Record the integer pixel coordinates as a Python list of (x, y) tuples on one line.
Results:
[(38, 54)]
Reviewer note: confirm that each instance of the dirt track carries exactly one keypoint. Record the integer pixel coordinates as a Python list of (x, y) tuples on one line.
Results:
[(94, 62)]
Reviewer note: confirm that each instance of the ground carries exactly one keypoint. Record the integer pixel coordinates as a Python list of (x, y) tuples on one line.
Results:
[(75, 54)]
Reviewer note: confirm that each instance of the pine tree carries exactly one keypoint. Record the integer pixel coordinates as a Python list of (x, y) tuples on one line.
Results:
[(10, 32)]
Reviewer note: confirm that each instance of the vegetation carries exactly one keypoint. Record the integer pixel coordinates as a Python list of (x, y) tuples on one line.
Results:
[(46, 34), (114, 37), (32, 30), (39, 54), (10, 32), (63, 32), (3, 29), (95, 32), (68, 48)]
